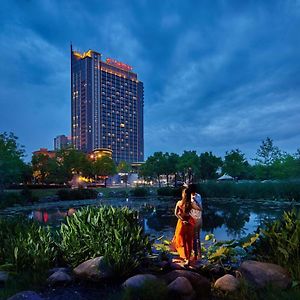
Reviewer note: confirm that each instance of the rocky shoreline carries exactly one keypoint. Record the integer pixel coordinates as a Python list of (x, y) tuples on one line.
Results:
[(94, 280)]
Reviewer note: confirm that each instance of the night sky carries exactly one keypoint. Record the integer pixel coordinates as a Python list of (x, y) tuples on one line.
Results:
[(218, 75)]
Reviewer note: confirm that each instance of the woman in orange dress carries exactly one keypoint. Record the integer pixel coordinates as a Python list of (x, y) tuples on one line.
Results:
[(183, 238)]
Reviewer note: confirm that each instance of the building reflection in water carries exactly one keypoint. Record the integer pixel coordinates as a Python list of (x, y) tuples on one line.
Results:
[(46, 216)]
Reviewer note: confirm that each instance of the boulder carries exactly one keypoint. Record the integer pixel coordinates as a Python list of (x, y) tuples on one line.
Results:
[(59, 278), (65, 270), (3, 276), (93, 269), (26, 295), (181, 286), (200, 284), (227, 283), (260, 274), (138, 280)]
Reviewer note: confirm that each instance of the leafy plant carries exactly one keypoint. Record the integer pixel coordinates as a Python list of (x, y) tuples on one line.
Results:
[(105, 231), (280, 242), (24, 245)]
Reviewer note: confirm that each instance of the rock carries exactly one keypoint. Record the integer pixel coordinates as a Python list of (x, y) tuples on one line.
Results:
[(181, 286), (26, 295), (65, 270), (3, 276), (200, 284), (93, 269), (59, 278), (174, 266), (261, 274), (227, 283), (138, 280)]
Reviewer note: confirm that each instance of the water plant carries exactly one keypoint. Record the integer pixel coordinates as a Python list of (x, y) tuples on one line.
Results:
[(104, 231), (25, 245), (279, 242)]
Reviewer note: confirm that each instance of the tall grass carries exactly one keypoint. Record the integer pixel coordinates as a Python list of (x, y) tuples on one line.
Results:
[(256, 190)]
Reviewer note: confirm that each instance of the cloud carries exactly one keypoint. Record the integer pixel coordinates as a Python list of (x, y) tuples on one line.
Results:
[(217, 75)]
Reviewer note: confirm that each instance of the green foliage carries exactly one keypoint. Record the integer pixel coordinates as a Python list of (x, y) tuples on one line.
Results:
[(104, 166), (148, 291), (105, 231), (169, 191), (209, 165), (267, 153), (8, 199), (139, 192), (280, 242), (289, 190), (76, 194), (12, 167), (235, 164), (25, 245), (232, 250)]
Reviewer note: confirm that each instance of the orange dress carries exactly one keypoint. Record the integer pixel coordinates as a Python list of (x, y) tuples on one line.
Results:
[(184, 233)]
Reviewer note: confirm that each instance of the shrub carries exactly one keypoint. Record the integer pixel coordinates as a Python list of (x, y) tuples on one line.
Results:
[(77, 194), (25, 245), (139, 192), (280, 242), (106, 231), (169, 191)]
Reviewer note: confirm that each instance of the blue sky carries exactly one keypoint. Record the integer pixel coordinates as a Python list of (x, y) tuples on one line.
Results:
[(218, 75)]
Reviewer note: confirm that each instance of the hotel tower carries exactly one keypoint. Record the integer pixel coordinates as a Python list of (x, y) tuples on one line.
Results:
[(107, 106)]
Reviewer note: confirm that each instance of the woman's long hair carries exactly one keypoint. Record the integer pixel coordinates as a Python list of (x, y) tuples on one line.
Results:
[(186, 200)]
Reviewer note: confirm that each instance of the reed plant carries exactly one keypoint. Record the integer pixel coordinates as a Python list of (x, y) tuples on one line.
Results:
[(104, 231)]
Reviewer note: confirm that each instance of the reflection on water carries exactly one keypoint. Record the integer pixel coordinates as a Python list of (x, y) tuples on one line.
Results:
[(226, 219)]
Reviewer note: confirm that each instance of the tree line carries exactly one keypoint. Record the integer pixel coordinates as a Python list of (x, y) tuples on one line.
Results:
[(270, 163), (45, 170)]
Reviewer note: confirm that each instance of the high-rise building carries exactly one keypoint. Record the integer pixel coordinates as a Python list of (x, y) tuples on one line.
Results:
[(107, 106), (61, 142)]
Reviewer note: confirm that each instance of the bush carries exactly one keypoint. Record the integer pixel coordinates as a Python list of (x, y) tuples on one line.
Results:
[(25, 245), (139, 192), (169, 191), (280, 242), (77, 194), (106, 231)]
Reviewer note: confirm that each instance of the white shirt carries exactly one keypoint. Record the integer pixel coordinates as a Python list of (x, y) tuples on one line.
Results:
[(196, 214)]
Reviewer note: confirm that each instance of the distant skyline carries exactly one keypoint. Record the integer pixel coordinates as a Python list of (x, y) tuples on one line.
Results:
[(218, 75)]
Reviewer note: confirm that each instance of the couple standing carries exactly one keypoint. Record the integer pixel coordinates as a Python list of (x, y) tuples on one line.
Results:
[(188, 210)]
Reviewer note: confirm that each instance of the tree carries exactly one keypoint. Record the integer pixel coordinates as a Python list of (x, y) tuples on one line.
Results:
[(154, 166), (41, 167), (235, 164), (11, 160), (268, 153), (104, 167), (124, 168), (189, 165), (208, 165), (72, 161), (172, 166)]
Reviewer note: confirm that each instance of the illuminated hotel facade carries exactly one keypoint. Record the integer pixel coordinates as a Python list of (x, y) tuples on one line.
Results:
[(107, 107)]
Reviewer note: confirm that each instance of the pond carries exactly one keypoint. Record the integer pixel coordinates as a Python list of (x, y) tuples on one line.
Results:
[(225, 218)]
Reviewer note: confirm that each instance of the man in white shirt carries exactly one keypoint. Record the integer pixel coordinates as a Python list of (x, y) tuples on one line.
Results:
[(197, 215)]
